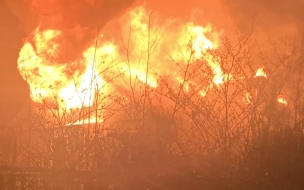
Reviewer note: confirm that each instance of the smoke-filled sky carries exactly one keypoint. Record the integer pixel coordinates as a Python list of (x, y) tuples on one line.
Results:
[(278, 11), (78, 20), (19, 18)]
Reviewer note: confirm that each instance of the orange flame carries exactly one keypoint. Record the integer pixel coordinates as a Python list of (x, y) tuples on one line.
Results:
[(55, 82), (74, 84), (260, 72), (282, 100)]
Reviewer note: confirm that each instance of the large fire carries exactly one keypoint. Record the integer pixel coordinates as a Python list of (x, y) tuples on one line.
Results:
[(50, 81), (145, 53)]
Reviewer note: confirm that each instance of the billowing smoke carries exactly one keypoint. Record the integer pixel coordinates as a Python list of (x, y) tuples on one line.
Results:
[(271, 14), (78, 21)]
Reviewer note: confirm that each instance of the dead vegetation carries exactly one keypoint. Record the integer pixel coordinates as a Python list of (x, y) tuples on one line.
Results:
[(239, 135)]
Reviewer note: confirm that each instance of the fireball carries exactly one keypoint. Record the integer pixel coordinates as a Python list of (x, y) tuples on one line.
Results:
[(144, 54)]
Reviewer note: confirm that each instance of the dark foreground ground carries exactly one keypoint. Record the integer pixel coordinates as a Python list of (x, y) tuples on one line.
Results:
[(16, 178)]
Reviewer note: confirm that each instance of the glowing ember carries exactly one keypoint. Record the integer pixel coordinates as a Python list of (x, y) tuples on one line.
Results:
[(84, 121), (247, 98), (260, 72), (282, 100)]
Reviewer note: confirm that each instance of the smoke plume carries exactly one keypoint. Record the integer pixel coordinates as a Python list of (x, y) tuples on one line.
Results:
[(273, 14), (78, 21)]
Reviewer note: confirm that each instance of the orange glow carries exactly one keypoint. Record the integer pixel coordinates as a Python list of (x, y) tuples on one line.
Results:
[(89, 120), (152, 52), (282, 100), (247, 98), (51, 81), (260, 72), (200, 44)]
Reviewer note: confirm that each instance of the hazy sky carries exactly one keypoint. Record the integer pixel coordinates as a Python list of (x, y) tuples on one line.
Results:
[(13, 89), (278, 17)]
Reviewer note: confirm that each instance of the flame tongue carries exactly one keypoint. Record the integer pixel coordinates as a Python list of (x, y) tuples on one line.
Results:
[(60, 47), (68, 81), (48, 79), (260, 72)]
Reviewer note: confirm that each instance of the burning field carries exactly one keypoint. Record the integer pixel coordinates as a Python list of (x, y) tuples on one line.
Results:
[(68, 69), (180, 84)]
